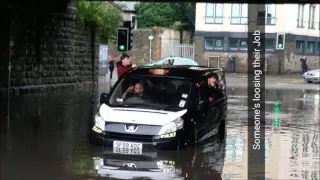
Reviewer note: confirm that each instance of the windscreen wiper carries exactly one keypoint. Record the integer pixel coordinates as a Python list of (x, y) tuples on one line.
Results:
[(172, 107), (147, 106)]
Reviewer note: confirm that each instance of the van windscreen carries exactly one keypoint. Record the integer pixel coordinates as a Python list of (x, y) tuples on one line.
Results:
[(151, 92)]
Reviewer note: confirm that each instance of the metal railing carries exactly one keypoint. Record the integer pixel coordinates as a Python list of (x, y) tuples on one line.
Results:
[(181, 50)]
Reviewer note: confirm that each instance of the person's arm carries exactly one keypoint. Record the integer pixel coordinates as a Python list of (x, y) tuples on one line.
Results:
[(130, 89), (133, 66), (124, 95)]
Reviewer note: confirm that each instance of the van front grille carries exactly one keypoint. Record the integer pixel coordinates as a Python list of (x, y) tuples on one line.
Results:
[(130, 137)]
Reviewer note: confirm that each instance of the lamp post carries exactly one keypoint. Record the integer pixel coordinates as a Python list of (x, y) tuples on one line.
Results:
[(150, 39)]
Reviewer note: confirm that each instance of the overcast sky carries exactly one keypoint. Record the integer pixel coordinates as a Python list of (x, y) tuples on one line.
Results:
[(129, 4)]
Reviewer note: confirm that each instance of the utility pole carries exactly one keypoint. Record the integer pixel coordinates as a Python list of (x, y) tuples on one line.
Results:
[(150, 47)]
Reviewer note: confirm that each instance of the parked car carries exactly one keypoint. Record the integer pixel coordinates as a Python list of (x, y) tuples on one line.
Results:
[(174, 61), (172, 114), (312, 76)]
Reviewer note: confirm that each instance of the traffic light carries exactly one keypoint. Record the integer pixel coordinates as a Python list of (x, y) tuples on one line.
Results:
[(128, 24), (280, 40), (122, 39)]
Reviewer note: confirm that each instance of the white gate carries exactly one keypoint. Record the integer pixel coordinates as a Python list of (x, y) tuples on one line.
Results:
[(181, 50)]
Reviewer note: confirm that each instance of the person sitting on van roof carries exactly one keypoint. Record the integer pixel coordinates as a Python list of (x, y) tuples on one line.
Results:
[(214, 90), (135, 91)]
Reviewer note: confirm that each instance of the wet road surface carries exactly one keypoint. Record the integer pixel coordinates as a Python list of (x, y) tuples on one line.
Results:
[(47, 139)]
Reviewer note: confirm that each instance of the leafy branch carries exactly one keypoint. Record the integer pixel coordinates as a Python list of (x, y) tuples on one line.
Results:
[(103, 16), (170, 15)]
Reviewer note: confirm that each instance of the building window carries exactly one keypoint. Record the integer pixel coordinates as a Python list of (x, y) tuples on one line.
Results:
[(218, 43), (312, 11), (208, 43), (236, 44), (233, 44), (300, 16), (310, 47), (269, 44), (213, 43), (300, 46), (243, 43), (266, 14), (239, 14), (214, 13), (318, 47)]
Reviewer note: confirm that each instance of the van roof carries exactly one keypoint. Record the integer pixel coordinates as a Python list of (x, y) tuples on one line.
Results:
[(177, 71)]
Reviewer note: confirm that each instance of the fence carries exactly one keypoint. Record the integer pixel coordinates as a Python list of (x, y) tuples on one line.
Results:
[(213, 61), (181, 50)]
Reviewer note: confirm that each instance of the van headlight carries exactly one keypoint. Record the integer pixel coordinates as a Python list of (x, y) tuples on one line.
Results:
[(171, 127), (99, 121)]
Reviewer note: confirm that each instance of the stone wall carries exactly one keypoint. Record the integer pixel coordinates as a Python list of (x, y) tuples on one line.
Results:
[(50, 48), (4, 45), (140, 46), (289, 61), (292, 60)]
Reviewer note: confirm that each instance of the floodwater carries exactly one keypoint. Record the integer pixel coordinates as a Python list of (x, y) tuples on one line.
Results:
[(47, 139)]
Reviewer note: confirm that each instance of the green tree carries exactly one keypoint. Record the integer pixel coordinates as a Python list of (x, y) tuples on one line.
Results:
[(102, 16), (170, 15)]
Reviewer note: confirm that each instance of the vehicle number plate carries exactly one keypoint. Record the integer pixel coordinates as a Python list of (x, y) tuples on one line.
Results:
[(122, 147)]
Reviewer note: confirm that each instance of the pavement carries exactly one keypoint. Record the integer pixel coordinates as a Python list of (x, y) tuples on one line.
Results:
[(105, 82)]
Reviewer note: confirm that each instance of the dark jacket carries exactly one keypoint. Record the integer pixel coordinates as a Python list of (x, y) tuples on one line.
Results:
[(142, 96), (303, 63), (111, 64), (215, 92)]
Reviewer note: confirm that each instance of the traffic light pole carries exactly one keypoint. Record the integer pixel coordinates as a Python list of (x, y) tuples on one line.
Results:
[(150, 51), (280, 54), (280, 43), (279, 69)]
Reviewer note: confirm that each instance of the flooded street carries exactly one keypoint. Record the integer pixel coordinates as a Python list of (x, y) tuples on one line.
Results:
[(47, 139)]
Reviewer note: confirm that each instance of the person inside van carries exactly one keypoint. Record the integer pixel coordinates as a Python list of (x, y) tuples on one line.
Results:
[(214, 90), (135, 91)]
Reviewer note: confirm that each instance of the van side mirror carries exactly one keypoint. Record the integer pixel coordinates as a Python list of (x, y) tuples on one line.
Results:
[(200, 106), (103, 98)]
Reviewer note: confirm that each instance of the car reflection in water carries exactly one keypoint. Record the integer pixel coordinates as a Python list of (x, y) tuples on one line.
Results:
[(205, 161)]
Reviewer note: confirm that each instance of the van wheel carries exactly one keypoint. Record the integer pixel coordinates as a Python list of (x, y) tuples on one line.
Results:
[(309, 81)]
